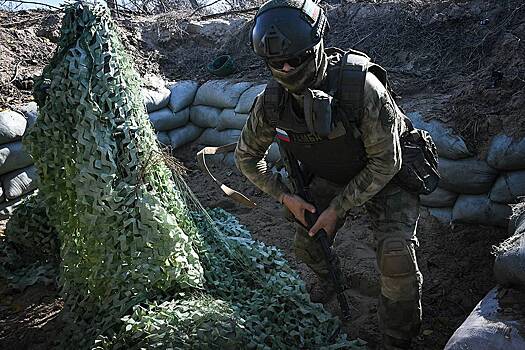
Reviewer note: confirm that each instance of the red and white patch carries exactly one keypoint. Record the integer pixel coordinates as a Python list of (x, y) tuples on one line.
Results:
[(282, 135)]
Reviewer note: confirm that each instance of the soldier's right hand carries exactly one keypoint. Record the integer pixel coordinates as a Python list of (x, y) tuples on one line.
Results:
[(296, 205)]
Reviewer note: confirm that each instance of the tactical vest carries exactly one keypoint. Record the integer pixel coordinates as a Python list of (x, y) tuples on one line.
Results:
[(340, 156)]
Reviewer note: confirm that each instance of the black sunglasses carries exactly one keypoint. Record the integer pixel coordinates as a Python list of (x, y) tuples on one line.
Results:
[(294, 61)]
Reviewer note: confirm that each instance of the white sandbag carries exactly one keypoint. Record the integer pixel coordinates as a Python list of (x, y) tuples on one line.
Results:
[(165, 120), (220, 93), (490, 326), (12, 126), (469, 176), (214, 137), (506, 154), (164, 138), (440, 198), (156, 99), (13, 156), (448, 144), (273, 154), (248, 98), (509, 187), (480, 210), (443, 215), (229, 119), (30, 111), (184, 135), (509, 267), (182, 94), (19, 182), (205, 116)]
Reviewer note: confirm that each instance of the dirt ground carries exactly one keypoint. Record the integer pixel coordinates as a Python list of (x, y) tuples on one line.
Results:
[(462, 61)]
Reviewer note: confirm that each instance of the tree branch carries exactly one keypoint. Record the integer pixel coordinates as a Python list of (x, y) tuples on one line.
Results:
[(34, 3), (232, 12), (204, 6)]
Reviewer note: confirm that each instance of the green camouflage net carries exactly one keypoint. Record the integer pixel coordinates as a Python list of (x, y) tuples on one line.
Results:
[(143, 265), (28, 230), (29, 249), (109, 197)]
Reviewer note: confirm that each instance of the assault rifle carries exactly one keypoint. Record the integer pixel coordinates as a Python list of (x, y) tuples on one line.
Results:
[(297, 177)]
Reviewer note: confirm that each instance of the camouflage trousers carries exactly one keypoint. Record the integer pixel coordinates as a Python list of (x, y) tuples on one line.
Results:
[(394, 214)]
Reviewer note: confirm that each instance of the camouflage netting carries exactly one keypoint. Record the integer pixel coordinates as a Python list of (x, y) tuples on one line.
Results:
[(142, 264)]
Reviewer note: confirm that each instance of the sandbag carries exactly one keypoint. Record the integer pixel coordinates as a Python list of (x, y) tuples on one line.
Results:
[(496, 323), (13, 156), (30, 111), (182, 94), (19, 182), (220, 93), (12, 126), (164, 138), (164, 119), (440, 198), (229, 160), (186, 134), (229, 119), (479, 209), (448, 144), (205, 116), (443, 215), (213, 137), (506, 154), (509, 187), (509, 267), (469, 176), (248, 98), (155, 93)]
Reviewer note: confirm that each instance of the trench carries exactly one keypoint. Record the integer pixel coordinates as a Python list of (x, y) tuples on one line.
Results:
[(459, 223)]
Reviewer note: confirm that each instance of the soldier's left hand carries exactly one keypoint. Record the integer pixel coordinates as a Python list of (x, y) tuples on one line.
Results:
[(327, 221)]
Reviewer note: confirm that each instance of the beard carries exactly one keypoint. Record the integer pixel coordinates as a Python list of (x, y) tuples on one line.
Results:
[(309, 74)]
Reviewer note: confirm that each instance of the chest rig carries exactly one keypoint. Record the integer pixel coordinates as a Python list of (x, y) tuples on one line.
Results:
[(341, 155)]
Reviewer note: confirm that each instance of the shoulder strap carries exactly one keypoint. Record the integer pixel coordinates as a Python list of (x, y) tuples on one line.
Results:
[(352, 76), (272, 101), (351, 86)]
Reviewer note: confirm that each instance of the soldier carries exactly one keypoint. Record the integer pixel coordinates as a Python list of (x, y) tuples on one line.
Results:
[(331, 111)]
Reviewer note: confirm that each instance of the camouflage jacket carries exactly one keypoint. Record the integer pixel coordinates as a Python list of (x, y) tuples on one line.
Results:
[(381, 125)]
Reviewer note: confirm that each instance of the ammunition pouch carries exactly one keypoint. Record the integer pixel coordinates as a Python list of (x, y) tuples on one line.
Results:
[(419, 170)]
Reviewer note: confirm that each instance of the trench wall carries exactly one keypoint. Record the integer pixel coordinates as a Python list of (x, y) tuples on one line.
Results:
[(472, 190)]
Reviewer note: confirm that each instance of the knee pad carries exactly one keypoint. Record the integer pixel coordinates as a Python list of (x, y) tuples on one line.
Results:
[(396, 258)]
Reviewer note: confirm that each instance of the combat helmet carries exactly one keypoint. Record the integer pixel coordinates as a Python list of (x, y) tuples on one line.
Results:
[(287, 28)]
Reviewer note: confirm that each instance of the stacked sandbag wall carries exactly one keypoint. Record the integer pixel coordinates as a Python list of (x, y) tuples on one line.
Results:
[(474, 190), (211, 114), (18, 176), (498, 321)]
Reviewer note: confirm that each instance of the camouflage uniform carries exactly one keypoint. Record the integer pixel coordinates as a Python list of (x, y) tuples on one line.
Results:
[(394, 211)]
